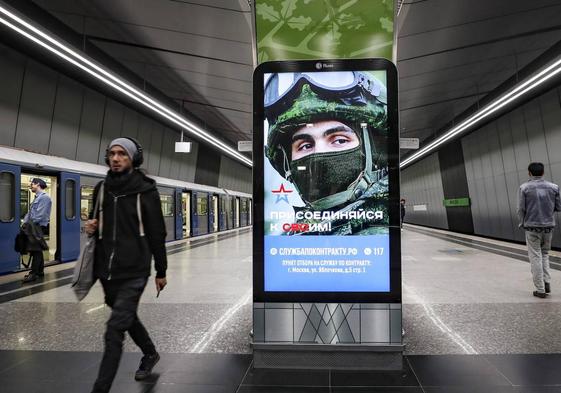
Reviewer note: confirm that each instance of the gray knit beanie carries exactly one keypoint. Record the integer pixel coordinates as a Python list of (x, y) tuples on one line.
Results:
[(126, 144)]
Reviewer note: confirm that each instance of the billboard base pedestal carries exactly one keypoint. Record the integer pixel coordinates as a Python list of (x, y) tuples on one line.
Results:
[(334, 357)]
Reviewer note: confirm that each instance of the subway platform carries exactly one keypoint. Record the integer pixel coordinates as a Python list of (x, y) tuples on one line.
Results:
[(471, 325)]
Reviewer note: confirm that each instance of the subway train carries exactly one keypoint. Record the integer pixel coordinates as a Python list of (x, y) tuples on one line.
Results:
[(189, 209)]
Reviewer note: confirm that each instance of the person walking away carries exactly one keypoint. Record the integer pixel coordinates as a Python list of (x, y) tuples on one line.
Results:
[(38, 215), (130, 229), (538, 199)]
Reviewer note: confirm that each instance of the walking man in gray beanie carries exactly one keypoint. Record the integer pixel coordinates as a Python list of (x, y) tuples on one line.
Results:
[(130, 230)]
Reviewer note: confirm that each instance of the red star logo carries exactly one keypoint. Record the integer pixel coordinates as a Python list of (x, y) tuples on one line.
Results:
[(281, 190)]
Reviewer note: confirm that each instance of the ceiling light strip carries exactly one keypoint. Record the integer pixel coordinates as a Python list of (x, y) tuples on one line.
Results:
[(124, 87), (521, 89)]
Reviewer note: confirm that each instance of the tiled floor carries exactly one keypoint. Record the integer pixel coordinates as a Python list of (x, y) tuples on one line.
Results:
[(471, 325), (65, 372)]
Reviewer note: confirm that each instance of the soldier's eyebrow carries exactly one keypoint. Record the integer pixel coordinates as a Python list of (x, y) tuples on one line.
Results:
[(335, 129), (300, 137)]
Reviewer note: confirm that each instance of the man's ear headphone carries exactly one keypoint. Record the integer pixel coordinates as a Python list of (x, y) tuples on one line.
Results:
[(138, 157)]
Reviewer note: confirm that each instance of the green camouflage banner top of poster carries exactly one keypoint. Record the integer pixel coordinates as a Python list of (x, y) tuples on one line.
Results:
[(324, 29)]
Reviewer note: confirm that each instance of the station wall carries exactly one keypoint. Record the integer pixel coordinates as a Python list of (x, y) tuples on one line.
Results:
[(43, 111), (496, 159), (421, 186)]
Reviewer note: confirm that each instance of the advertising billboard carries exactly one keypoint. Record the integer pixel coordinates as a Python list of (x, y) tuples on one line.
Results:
[(326, 181)]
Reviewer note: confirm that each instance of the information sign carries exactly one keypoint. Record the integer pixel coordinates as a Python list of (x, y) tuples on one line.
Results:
[(326, 182)]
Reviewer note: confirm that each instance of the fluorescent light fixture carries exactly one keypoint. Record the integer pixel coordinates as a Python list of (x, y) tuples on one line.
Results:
[(183, 147), (301, 168), (519, 90), (50, 43)]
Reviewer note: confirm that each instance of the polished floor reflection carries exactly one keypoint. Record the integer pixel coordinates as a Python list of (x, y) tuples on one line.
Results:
[(471, 325)]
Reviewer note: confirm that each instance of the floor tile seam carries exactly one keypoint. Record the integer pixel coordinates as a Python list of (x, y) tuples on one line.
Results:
[(14, 365), (497, 369), (554, 265), (469, 242), (290, 386), (171, 247), (476, 238), (41, 285), (414, 373), (14, 296), (486, 303), (245, 375), (445, 236)]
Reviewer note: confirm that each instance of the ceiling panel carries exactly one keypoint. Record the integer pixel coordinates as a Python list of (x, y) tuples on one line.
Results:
[(196, 52), (451, 53)]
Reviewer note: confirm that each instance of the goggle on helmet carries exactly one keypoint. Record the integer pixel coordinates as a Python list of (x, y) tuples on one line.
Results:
[(293, 100)]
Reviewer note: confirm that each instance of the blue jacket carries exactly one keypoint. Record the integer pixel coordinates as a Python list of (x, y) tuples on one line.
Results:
[(40, 210), (537, 201)]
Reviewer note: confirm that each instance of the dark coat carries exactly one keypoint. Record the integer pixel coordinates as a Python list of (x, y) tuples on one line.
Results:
[(35, 237), (123, 252)]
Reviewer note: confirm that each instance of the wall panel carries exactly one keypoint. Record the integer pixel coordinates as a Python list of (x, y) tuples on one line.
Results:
[(187, 164), (130, 124), (112, 126), (66, 119), (12, 66), (36, 108), (421, 185), (167, 153), (234, 175), (155, 147), (43, 111)]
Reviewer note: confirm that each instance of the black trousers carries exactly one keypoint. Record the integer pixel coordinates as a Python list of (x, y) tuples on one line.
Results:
[(37, 262), (37, 259), (123, 297)]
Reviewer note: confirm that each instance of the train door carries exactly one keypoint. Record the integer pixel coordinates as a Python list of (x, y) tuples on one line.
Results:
[(237, 213), (186, 211), (179, 220), (222, 213), (213, 213), (68, 217), (232, 212), (9, 216), (250, 212), (26, 199), (200, 213)]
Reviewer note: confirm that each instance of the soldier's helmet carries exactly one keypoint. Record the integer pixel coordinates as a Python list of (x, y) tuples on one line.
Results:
[(356, 99)]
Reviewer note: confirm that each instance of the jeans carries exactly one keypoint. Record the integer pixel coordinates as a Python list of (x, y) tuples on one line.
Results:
[(123, 297), (539, 244)]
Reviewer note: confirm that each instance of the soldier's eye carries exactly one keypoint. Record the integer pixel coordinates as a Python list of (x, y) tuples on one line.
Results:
[(340, 140), (305, 146)]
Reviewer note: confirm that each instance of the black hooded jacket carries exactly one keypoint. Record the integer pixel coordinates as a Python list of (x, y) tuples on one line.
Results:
[(122, 252)]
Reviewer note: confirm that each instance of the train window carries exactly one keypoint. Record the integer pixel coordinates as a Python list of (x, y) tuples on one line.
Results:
[(167, 205), (86, 202), (23, 202), (202, 206), (69, 192), (7, 196)]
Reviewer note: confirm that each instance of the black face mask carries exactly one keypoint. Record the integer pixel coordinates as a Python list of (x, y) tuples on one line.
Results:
[(326, 173)]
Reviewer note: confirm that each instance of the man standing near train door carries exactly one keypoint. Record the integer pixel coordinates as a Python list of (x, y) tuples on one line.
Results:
[(538, 200), (130, 229), (37, 223)]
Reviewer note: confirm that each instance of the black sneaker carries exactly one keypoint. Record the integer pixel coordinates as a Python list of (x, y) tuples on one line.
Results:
[(547, 287), (147, 363), (539, 294)]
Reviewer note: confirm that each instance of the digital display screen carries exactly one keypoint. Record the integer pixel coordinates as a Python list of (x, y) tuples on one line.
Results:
[(326, 189)]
